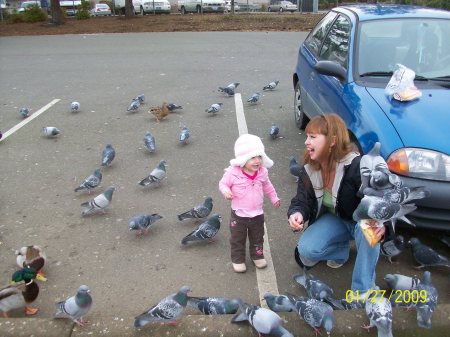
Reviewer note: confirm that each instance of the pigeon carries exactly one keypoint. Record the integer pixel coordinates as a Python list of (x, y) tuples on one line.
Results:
[(214, 108), (294, 167), (316, 314), (229, 89), (318, 289), (156, 176), (272, 85), (149, 141), (351, 305), (214, 305), (205, 231), (427, 302), (76, 306), (142, 223), (168, 310), (50, 131), (24, 112), (400, 195), (75, 106), (274, 131), (401, 282), (392, 246), (160, 112), (377, 208), (140, 98), (134, 105), (381, 179), (198, 212), (427, 256), (282, 302), (264, 321), (368, 162), (184, 135), (91, 182), (32, 257), (254, 98), (172, 107), (108, 155), (379, 312), (100, 202)]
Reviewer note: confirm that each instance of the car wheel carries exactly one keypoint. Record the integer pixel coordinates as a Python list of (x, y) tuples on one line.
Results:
[(301, 120)]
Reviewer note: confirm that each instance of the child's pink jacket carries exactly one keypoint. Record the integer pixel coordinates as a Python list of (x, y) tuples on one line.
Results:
[(248, 195)]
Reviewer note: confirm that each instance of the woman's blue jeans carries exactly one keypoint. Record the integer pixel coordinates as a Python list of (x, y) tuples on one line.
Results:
[(328, 239)]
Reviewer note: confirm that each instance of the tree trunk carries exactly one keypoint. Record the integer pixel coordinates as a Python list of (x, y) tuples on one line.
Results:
[(129, 9), (57, 16)]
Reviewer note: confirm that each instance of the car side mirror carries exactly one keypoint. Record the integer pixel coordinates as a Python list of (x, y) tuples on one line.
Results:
[(331, 68)]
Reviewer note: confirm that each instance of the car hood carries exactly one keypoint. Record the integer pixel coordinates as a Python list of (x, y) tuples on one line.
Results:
[(421, 123)]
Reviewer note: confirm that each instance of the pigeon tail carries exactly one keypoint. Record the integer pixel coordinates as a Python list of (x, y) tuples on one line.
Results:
[(141, 320)]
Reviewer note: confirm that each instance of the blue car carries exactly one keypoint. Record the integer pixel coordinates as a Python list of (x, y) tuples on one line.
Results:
[(344, 66)]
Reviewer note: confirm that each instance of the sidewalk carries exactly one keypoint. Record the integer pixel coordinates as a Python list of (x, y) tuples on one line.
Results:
[(348, 323)]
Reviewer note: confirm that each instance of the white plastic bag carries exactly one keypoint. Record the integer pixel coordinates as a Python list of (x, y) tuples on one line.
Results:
[(401, 85)]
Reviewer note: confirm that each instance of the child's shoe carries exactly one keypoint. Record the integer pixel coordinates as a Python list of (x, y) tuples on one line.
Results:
[(260, 263), (239, 267)]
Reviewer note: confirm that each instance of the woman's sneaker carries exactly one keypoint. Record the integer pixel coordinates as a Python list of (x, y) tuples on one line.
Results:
[(260, 263), (301, 261), (334, 264)]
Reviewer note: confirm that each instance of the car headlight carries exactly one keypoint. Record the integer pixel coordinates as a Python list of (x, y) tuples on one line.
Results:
[(420, 163)]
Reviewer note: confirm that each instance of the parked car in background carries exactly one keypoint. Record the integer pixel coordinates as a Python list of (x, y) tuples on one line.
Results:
[(281, 6), (24, 5), (70, 6), (101, 10), (137, 6), (199, 6), (156, 6), (344, 66), (237, 8)]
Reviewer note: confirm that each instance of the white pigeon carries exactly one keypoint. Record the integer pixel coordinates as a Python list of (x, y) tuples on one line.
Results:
[(75, 106), (99, 203), (76, 306), (184, 135), (50, 131), (379, 311), (134, 105), (214, 108)]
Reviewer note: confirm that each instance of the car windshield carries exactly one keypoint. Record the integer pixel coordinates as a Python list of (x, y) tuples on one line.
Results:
[(419, 44)]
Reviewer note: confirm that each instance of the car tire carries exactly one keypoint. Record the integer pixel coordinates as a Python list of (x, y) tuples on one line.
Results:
[(301, 120)]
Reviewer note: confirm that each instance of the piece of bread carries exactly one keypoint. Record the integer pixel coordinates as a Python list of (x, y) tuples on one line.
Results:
[(368, 227)]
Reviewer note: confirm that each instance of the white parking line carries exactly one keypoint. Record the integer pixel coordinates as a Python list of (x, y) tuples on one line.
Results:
[(28, 119), (266, 278)]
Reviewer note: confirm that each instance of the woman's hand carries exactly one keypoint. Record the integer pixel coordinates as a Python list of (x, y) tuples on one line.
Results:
[(296, 222), (379, 232)]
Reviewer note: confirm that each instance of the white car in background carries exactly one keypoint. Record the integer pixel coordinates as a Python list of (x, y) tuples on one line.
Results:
[(282, 6), (24, 5), (101, 10), (155, 6), (237, 8)]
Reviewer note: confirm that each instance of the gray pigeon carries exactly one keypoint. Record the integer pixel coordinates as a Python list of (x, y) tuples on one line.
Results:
[(156, 176), (140, 98), (184, 135), (427, 302), (134, 105), (214, 108), (205, 231), (427, 256), (76, 306), (254, 98), (316, 314), (50, 131), (400, 195), (75, 106), (318, 289), (264, 321), (91, 182), (142, 223), (379, 312), (272, 85), (294, 167), (108, 155), (24, 112), (198, 212), (168, 310), (401, 282), (172, 107), (229, 89), (214, 305), (282, 302), (99, 203), (392, 246), (368, 163), (274, 131), (149, 141)]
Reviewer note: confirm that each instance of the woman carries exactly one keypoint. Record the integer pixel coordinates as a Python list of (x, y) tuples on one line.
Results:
[(326, 199)]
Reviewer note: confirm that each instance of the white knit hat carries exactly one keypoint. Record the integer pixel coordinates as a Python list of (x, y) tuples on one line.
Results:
[(246, 147)]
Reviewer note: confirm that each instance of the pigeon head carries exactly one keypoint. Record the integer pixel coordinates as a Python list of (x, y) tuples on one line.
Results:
[(328, 322), (379, 179), (390, 280), (181, 296), (162, 165), (399, 241), (208, 203), (414, 243), (109, 192), (215, 220), (82, 298), (426, 278)]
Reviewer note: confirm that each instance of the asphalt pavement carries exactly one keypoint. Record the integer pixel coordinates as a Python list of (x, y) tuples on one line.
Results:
[(104, 72)]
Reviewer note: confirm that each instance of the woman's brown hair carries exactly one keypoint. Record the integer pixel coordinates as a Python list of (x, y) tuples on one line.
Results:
[(333, 127)]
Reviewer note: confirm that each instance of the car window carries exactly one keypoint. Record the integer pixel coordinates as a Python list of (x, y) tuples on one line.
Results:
[(314, 40), (335, 46)]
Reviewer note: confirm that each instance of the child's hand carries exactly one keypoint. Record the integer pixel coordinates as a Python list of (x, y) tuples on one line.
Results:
[(277, 204), (228, 195)]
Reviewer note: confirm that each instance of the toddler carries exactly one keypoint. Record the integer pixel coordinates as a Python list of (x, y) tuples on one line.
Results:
[(244, 183)]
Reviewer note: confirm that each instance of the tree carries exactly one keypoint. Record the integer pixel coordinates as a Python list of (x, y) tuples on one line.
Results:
[(57, 15), (129, 9)]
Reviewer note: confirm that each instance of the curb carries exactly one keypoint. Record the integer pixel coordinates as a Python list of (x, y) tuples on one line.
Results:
[(348, 323)]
